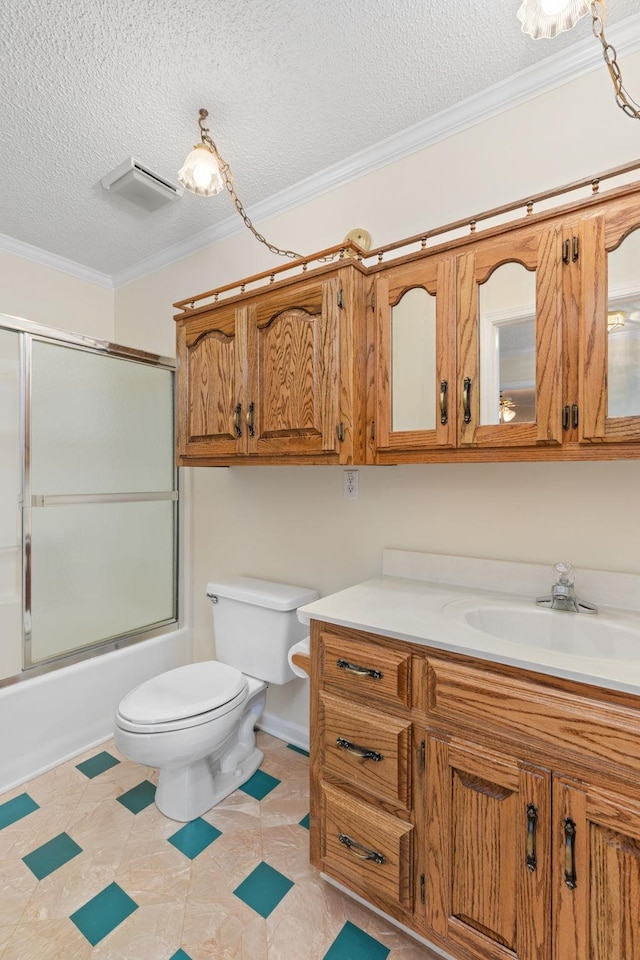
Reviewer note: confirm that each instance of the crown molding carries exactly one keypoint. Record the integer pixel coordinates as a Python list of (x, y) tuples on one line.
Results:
[(37, 255), (558, 69)]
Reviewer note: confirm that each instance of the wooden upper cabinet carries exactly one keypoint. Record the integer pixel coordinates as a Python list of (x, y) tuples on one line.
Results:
[(509, 326), (211, 384), (608, 396), (275, 377), (415, 389)]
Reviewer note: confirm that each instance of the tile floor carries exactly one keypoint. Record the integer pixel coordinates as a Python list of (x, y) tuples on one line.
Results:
[(89, 868)]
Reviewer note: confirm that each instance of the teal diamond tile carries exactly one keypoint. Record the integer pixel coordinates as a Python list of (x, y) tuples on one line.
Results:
[(263, 889), (352, 943), (51, 855), (292, 746), (16, 809), (194, 837), (305, 822), (180, 955), (139, 797), (259, 785), (103, 913), (96, 765)]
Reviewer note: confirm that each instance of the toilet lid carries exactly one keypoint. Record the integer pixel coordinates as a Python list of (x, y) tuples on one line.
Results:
[(184, 692)]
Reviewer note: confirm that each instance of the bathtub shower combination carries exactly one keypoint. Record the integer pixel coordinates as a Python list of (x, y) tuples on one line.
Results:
[(88, 538)]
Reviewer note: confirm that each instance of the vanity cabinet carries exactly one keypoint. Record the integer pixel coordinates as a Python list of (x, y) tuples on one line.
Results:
[(493, 811), (275, 377)]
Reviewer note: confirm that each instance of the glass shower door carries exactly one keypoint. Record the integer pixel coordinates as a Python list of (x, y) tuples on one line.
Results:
[(10, 504), (101, 487)]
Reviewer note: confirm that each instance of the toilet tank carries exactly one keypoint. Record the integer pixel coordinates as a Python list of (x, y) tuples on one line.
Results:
[(255, 624)]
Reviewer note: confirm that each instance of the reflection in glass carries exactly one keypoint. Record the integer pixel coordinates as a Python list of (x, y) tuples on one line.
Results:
[(507, 307), (413, 364), (623, 340)]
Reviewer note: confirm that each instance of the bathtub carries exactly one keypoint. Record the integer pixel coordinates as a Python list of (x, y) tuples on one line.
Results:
[(53, 717)]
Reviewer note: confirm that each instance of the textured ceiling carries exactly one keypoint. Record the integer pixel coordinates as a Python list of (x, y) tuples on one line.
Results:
[(291, 87)]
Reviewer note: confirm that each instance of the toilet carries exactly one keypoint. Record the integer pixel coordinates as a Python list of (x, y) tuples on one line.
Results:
[(195, 724)]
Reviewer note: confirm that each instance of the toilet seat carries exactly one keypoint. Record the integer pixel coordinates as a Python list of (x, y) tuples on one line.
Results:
[(184, 697)]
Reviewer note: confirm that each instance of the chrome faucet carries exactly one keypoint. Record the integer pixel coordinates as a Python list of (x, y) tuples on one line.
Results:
[(563, 596)]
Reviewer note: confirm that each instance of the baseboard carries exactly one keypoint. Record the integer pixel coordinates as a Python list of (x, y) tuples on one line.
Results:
[(284, 730)]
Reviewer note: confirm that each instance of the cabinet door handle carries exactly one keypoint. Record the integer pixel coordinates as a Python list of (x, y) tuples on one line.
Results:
[(359, 671), (532, 825), (444, 387), (575, 251), (570, 854), (565, 417), (251, 419), (359, 851), (363, 752), (574, 415), (237, 419), (566, 248), (466, 399)]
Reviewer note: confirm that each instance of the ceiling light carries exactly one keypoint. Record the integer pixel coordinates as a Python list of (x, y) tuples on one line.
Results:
[(205, 172), (615, 320), (507, 412), (547, 18)]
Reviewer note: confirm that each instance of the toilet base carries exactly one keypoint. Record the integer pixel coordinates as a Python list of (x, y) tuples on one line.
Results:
[(186, 793)]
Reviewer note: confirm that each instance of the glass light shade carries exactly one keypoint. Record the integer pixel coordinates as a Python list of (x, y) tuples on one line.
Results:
[(201, 173), (547, 18), (507, 414)]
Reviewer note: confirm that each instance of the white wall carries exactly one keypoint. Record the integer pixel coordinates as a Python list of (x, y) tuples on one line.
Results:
[(51, 297), (291, 523)]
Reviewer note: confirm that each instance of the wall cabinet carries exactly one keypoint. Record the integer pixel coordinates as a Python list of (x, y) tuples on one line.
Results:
[(275, 377), (518, 343), (492, 811)]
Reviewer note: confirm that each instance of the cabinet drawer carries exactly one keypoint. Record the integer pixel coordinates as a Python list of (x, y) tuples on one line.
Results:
[(370, 851), (361, 668), (348, 731), (571, 722)]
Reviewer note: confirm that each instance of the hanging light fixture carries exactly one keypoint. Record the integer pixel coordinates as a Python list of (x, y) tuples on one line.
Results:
[(507, 412), (205, 172), (548, 18)]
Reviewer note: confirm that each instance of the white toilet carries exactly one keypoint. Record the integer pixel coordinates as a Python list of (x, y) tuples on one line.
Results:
[(196, 723)]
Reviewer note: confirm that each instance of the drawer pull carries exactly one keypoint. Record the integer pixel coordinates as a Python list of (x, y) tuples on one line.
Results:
[(359, 671), (570, 877), (353, 846), (363, 752), (532, 824)]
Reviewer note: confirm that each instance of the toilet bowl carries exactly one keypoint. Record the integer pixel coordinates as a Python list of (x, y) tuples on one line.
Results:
[(196, 724)]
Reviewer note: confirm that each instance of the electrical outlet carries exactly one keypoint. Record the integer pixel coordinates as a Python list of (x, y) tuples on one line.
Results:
[(350, 484)]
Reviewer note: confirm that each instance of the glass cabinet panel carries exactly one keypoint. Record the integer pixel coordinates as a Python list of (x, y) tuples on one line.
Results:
[(623, 329), (413, 361), (507, 307)]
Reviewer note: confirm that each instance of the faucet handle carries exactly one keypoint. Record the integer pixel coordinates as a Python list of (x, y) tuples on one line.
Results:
[(564, 572)]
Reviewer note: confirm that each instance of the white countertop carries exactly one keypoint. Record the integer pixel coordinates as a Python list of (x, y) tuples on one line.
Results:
[(414, 609)]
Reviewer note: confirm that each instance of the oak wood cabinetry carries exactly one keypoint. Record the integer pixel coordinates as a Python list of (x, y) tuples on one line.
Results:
[(493, 811), (274, 377), (563, 407)]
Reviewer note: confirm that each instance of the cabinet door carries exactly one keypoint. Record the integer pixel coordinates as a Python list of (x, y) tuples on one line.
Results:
[(609, 325), (211, 381), (488, 852), (509, 318), (294, 351), (596, 873), (415, 356)]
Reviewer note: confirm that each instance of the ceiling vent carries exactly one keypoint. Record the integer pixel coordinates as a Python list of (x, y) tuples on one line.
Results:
[(140, 185)]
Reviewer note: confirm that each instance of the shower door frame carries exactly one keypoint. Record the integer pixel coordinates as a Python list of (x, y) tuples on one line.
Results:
[(30, 332)]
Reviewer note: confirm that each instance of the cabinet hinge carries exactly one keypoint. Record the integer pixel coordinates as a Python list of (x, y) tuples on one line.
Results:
[(422, 755), (422, 886), (373, 429), (340, 432), (341, 298)]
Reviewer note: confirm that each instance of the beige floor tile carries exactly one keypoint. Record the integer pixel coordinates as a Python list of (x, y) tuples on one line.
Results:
[(5, 935), (104, 825), (62, 785), (306, 922), (226, 929), (67, 889), (286, 848), (150, 933), (153, 873), (36, 828), (53, 940), (287, 803), (17, 884), (229, 860)]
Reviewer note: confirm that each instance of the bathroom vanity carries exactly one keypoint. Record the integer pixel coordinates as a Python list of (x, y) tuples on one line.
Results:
[(482, 789)]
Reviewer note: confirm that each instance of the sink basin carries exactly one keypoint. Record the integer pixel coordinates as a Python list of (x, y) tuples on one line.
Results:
[(579, 634)]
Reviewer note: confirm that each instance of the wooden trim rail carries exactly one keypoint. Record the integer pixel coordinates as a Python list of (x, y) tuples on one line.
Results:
[(350, 250)]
